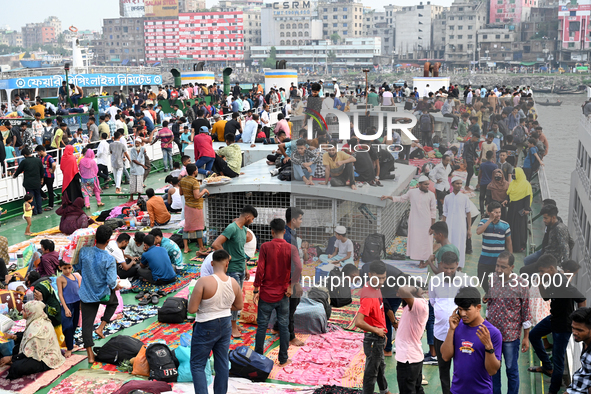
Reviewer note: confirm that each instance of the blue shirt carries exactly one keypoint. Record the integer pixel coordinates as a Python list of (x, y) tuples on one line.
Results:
[(185, 137), (287, 148), (493, 241), (173, 250), (487, 168), (235, 106), (156, 258), (99, 274), (530, 159), (288, 234), (250, 131), (149, 124)]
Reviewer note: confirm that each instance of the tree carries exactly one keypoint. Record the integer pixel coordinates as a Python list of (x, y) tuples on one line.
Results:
[(270, 61), (335, 38), (331, 56)]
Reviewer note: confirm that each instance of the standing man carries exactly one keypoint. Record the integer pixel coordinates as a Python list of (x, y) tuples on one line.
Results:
[(508, 310), (474, 345), (443, 289), (470, 156), (409, 352), (233, 240), (118, 151), (275, 280), (581, 326), (102, 159), (456, 213), (423, 212), (33, 171), (166, 137), (212, 300), (440, 176), (487, 168), (48, 173), (562, 305), (293, 219), (496, 238)]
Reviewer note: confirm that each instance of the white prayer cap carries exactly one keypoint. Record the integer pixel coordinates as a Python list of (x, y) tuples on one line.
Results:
[(423, 178), (341, 230), (456, 178)]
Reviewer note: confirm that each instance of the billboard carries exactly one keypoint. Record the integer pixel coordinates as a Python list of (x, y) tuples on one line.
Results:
[(160, 8), (131, 8)]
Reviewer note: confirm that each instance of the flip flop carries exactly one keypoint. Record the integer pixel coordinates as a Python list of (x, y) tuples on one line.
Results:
[(144, 302), (140, 295), (540, 370), (155, 300)]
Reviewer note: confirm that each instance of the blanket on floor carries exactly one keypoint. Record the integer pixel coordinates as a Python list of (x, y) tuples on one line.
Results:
[(182, 280), (92, 382), (333, 358)]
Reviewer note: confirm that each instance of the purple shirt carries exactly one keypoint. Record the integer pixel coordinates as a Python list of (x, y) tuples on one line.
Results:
[(48, 264), (469, 355)]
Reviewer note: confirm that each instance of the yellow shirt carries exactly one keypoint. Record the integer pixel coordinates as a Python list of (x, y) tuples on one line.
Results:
[(104, 128), (332, 163), (29, 213), (57, 138), (38, 108), (218, 128)]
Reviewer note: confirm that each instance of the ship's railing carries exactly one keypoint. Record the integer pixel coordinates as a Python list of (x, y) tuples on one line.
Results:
[(38, 72)]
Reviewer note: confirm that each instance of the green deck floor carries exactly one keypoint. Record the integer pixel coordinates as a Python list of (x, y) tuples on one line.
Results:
[(14, 228)]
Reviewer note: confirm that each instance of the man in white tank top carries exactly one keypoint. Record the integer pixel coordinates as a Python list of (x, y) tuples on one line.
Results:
[(212, 300)]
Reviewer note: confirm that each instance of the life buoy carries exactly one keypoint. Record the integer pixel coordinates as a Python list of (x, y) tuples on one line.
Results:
[(73, 29)]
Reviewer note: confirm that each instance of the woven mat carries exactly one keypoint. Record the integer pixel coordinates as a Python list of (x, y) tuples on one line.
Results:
[(181, 281), (32, 383), (91, 382)]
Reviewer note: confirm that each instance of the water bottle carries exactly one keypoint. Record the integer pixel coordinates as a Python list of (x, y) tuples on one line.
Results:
[(132, 222), (20, 262)]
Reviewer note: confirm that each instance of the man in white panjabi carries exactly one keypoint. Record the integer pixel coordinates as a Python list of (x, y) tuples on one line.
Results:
[(423, 212), (456, 213)]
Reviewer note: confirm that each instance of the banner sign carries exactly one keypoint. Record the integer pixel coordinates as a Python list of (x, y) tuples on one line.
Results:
[(82, 80)]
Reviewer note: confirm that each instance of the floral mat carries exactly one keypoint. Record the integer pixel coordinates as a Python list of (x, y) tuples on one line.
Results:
[(182, 280), (345, 317), (334, 358), (92, 382), (32, 383), (132, 315)]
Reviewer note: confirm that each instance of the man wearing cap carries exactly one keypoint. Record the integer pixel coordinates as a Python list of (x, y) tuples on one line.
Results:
[(456, 213), (343, 249), (440, 175), (423, 212), (337, 91)]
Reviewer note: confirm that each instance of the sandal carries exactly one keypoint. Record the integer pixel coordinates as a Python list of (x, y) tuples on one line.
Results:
[(540, 370), (144, 302), (155, 300), (101, 204), (47, 209), (140, 295)]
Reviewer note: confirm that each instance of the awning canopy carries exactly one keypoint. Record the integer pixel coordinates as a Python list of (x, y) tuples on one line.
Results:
[(125, 62)]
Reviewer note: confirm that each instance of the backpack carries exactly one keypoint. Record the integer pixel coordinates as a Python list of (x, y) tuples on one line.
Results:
[(322, 296), (250, 365), (408, 106), (339, 295), (47, 137), (373, 247), (387, 166), (117, 349), (518, 135), (425, 123), (174, 310), (114, 223), (163, 363), (177, 239)]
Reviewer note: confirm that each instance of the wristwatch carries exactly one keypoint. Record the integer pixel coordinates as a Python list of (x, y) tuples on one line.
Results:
[(491, 351)]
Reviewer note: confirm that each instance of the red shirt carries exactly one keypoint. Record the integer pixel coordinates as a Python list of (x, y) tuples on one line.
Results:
[(203, 146), (372, 307), (274, 269)]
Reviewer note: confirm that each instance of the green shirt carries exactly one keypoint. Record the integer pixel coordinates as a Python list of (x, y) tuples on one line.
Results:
[(233, 155), (236, 239), (446, 248), (463, 129), (372, 98)]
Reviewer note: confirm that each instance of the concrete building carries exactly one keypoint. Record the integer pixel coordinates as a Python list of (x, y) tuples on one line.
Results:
[(354, 52), (122, 42), (414, 35), (575, 43), (542, 24), (510, 12), (341, 18), (54, 22), (495, 46), (11, 38), (37, 34), (191, 5), (251, 19), (286, 23), (375, 24), (464, 19), (439, 35)]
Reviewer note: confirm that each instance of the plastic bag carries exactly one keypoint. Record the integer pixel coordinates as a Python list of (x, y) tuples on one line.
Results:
[(140, 363)]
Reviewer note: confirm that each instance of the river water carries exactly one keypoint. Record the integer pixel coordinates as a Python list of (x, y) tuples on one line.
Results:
[(561, 127)]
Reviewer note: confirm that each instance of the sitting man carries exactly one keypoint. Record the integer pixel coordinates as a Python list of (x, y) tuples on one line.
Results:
[(49, 261), (126, 268), (339, 166), (135, 248), (343, 249), (155, 265), (157, 210), (228, 159), (173, 250), (303, 165)]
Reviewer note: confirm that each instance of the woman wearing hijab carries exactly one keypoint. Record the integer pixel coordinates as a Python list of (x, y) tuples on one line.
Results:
[(73, 216), (71, 176), (89, 177), (4, 258), (520, 199), (36, 349), (497, 191)]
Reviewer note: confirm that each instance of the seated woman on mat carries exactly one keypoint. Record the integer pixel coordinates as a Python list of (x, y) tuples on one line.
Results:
[(37, 348), (73, 216)]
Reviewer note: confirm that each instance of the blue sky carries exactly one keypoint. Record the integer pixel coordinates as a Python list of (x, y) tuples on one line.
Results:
[(88, 14)]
